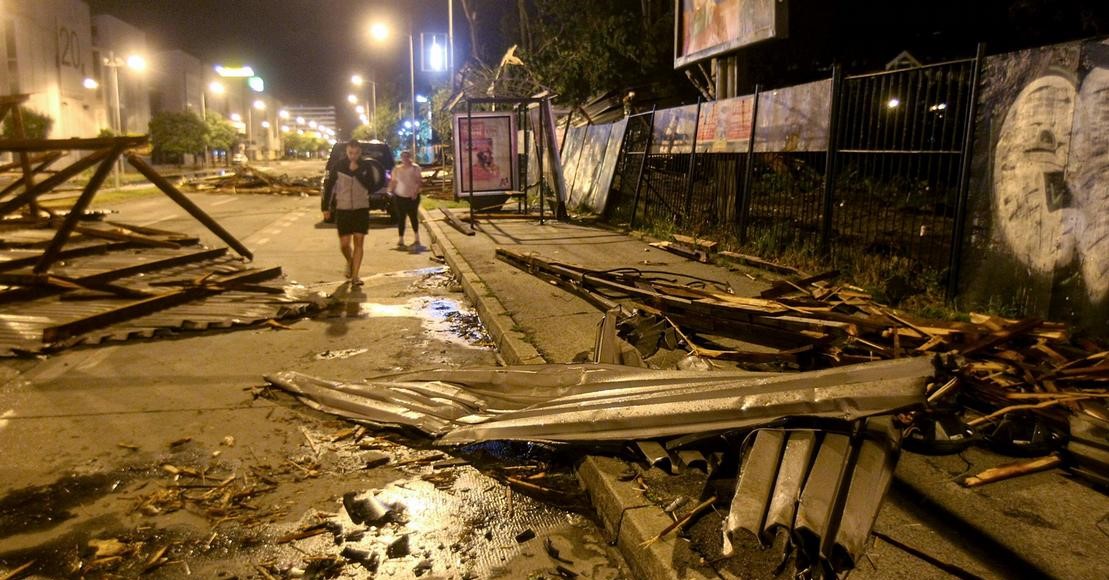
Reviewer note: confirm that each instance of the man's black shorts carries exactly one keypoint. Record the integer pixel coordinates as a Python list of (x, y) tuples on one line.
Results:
[(352, 221)]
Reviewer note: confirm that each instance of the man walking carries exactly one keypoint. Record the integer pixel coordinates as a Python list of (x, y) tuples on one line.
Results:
[(405, 187), (346, 195)]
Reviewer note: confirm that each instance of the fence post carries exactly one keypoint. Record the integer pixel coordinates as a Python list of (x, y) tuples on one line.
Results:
[(688, 205), (959, 227), (642, 165), (830, 162), (743, 212)]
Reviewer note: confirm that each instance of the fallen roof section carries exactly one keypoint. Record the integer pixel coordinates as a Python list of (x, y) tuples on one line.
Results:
[(598, 402)]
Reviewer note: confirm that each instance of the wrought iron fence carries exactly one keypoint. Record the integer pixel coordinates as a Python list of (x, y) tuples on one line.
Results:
[(891, 180)]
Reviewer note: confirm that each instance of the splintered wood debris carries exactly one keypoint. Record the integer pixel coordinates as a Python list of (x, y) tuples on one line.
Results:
[(248, 179), (814, 322)]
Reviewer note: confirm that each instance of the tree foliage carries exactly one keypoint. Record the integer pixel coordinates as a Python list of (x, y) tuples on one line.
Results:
[(306, 142), (219, 133), (584, 47), (174, 134), (35, 125)]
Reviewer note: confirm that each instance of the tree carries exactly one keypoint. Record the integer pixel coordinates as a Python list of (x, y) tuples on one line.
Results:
[(306, 142), (35, 125), (174, 134), (219, 133), (616, 47)]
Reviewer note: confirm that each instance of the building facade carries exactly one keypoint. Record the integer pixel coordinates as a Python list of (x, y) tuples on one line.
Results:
[(47, 53)]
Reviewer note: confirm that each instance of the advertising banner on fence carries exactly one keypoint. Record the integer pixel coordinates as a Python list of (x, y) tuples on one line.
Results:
[(707, 28), (794, 118), (589, 162), (725, 126), (485, 150), (673, 130)]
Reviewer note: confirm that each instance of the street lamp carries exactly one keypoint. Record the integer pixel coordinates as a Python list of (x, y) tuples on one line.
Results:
[(133, 62), (216, 88), (379, 31), (258, 105), (358, 81)]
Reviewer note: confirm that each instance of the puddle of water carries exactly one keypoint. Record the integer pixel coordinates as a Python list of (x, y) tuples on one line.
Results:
[(464, 524), (444, 319), (34, 509)]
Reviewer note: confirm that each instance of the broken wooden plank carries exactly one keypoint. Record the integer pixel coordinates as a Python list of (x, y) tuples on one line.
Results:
[(194, 210), (1014, 469), (757, 262), (783, 287), (143, 307), (454, 220)]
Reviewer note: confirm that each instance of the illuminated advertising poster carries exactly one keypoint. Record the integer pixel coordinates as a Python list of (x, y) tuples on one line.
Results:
[(485, 150), (673, 130), (794, 118)]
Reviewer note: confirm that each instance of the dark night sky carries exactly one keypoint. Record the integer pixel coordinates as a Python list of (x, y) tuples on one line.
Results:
[(305, 50)]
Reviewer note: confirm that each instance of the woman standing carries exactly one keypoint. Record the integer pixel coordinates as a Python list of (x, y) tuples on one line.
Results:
[(405, 187)]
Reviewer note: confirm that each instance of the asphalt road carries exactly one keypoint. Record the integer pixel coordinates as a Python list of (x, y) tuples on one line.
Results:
[(99, 444)]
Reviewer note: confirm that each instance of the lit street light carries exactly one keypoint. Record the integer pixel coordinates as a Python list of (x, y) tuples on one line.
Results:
[(379, 31), (135, 63), (216, 88), (358, 81)]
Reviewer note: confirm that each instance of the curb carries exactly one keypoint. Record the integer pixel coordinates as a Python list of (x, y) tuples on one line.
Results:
[(626, 515), (510, 342)]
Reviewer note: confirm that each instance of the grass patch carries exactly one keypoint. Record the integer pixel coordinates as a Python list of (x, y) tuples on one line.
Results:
[(433, 203), (104, 196)]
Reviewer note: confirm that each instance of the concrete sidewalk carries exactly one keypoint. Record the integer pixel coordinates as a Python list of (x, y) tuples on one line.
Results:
[(1045, 524)]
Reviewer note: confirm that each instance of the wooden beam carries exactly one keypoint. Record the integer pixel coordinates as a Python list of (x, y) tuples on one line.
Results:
[(53, 181), (150, 305), (137, 268), (194, 210), (453, 220), (29, 145), (123, 236), (64, 254), (51, 253)]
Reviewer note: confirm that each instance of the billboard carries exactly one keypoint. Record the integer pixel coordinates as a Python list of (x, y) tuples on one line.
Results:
[(707, 28), (485, 153)]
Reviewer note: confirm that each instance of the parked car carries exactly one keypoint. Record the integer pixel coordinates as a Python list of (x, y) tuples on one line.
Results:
[(379, 157), (238, 159)]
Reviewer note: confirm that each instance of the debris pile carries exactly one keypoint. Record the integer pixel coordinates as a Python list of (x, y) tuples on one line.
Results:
[(1006, 366), (248, 179), (66, 278)]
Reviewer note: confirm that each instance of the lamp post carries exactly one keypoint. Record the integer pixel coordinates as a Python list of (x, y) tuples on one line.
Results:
[(380, 32), (134, 62), (217, 88), (358, 81), (259, 105)]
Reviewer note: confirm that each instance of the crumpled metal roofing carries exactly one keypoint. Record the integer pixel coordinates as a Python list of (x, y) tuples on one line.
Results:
[(600, 402)]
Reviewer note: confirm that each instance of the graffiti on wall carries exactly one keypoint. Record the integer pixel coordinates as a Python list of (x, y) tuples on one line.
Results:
[(1050, 174)]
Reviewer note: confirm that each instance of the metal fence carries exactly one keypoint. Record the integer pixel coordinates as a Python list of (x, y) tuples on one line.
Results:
[(892, 181)]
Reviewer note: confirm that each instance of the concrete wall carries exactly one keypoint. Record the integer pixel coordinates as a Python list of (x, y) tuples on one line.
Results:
[(1038, 235), (46, 52)]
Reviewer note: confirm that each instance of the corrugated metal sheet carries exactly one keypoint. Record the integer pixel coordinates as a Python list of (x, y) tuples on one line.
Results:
[(22, 321)]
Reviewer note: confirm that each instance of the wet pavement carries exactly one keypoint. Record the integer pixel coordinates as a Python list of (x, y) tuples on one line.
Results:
[(169, 459)]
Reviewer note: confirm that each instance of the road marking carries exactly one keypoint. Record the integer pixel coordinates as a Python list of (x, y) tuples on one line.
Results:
[(4, 418), (98, 356), (161, 219), (261, 241), (223, 201)]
